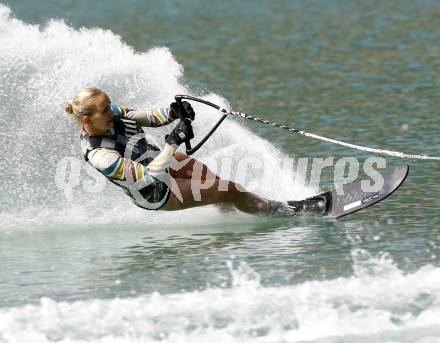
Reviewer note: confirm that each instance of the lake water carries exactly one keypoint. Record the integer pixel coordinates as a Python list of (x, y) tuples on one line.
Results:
[(88, 266)]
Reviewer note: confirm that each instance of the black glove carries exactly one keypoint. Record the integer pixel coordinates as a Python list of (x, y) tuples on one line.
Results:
[(183, 132), (182, 110)]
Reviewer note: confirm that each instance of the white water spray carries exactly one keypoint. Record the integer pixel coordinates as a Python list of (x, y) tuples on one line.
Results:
[(41, 67)]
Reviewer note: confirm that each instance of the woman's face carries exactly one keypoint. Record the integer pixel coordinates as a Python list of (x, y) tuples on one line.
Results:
[(102, 119)]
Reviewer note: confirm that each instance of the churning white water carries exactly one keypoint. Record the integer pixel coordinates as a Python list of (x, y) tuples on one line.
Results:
[(42, 66), (378, 303)]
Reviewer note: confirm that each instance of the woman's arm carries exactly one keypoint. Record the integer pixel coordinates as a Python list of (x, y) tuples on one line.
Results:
[(111, 164), (153, 118)]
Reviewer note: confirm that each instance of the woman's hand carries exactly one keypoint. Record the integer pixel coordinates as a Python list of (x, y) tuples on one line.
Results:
[(183, 132), (182, 110)]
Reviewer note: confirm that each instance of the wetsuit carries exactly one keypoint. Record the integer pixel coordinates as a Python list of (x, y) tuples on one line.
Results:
[(125, 158)]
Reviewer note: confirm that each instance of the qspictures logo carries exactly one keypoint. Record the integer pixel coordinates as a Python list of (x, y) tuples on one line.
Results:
[(260, 173)]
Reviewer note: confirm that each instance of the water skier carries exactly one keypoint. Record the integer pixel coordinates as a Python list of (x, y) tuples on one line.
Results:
[(113, 142)]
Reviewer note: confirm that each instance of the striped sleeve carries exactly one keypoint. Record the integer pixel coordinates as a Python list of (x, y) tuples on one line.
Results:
[(111, 164), (119, 111), (153, 118)]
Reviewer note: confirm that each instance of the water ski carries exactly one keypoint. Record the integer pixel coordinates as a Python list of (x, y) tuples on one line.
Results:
[(353, 198)]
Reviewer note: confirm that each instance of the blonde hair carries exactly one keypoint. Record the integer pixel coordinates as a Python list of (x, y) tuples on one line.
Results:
[(82, 104)]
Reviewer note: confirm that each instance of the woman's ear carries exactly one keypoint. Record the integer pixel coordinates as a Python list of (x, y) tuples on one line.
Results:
[(86, 120)]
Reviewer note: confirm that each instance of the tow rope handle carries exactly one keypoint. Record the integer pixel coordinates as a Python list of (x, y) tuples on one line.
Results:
[(297, 131), (189, 149)]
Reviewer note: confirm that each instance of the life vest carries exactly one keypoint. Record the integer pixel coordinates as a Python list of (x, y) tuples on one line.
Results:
[(120, 138), (127, 137)]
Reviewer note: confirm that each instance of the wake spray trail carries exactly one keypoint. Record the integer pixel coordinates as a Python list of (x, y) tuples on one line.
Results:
[(41, 67), (379, 303)]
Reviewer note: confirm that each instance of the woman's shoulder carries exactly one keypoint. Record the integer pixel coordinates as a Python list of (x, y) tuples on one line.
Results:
[(120, 111)]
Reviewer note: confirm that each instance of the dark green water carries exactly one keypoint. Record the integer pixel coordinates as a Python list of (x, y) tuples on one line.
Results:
[(365, 72)]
